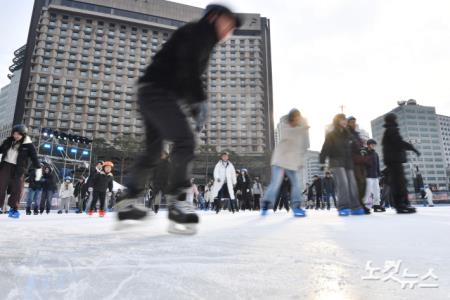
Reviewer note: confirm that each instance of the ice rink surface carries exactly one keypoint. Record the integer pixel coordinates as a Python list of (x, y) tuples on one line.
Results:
[(241, 256)]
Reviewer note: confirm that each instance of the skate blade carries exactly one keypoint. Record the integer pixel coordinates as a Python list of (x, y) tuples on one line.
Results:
[(129, 224), (182, 229)]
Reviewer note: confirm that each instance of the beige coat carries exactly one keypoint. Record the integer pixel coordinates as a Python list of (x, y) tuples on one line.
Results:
[(290, 151)]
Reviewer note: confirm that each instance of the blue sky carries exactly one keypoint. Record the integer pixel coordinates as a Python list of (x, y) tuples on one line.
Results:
[(363, 54)]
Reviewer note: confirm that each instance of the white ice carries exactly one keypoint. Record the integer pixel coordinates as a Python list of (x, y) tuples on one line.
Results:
[(241, 256)]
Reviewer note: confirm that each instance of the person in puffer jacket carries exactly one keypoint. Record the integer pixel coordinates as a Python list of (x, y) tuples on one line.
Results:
[(102, 182), (49, 188), (66, 195)]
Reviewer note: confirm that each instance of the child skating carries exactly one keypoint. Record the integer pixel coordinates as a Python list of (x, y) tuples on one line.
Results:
[(66, 194), (102, 183)]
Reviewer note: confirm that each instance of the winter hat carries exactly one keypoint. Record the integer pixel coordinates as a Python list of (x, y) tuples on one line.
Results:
[(244, 170), (20, 128), (68, 179), (351, 118), (222, 10), (371, 142), (391, 119)]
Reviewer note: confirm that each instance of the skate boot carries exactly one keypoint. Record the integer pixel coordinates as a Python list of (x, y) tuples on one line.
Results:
[(378, 208), (60, 212), (13, 213), (298, 212), (91, 212), (28, 211), (1, 211), (406, 210), (36, 212), (265, 208), (129, 213), (358, 212), (366, 210), (101, 213), (182, 216), (344, 212)]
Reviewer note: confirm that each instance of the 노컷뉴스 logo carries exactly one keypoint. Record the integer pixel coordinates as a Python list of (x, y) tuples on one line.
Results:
[(394, 271)]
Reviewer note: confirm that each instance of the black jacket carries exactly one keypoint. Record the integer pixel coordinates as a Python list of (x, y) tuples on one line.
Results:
[(317, 184), (328, 184), (394, 147), (32, 183), (338, 148), (179, 65), (243, 186), (373, 168), (81, 188), (27, 153), (49, 181), (103, 182)]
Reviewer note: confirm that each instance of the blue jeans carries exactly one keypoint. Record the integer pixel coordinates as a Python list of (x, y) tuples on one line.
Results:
[(275, 184), (34, 196)]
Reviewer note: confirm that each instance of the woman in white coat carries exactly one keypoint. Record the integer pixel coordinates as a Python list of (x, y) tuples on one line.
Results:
[(224, 182)]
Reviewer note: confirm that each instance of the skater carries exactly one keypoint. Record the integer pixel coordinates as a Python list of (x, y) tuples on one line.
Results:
[(173, 81), (243, 187), (428, 196), (394, 155), (317, 186), (49, 188), (207, 195), (373, 174), (34, 193), (16, 153), (192, 193), (338, 149), (258, 192), (284, 196), (309, 192), (360, 161), (90, 182), (329, 189), (386, 195), (224, 182), (66, 192), (102, 184), (81, 194), (287, 159)]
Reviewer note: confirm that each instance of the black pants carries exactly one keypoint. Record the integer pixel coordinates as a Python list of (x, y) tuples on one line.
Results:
[(9, 181), (283, 200), (398, 185), (360, 176), (46, 201), (256, 201), (164, 120), (96, 196), (319, 203)]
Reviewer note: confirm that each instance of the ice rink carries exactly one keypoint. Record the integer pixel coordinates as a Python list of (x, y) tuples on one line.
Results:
[(241, 256)]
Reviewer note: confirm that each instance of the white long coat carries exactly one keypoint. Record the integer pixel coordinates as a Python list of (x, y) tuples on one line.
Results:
[(224, 171)]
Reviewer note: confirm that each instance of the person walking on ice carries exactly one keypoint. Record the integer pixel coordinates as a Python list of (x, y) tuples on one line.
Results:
[(102, 183), (170, 89), (287, 159), (224, 181)]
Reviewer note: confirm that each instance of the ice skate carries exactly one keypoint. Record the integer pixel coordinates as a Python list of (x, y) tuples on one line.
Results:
[(298, 212), (101, 213), (358, 212), (13, 213), (129, 214), (265, 208), (182, 217), (378, 208), (344, 212), (406, 210)]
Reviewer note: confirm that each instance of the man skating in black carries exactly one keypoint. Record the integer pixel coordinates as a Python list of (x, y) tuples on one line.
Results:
[(394, 155), (174, 78)]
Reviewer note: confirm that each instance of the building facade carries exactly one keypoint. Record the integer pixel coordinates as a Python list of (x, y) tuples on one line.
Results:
[(444, 124), (312, 167), (419, 125), (83, 59), (8, 94)]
